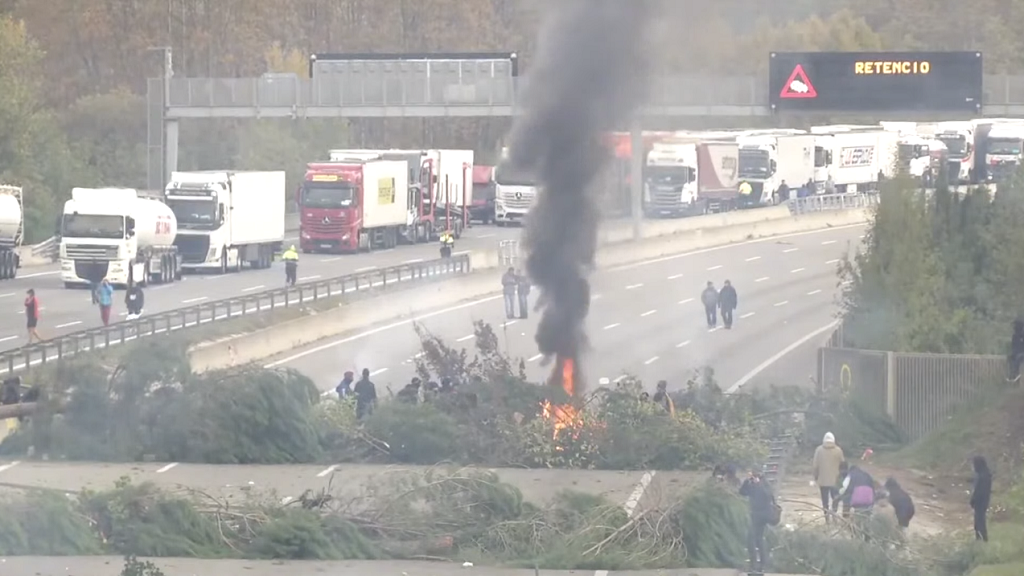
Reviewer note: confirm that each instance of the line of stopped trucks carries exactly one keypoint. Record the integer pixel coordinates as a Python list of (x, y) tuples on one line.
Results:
[(360, 200)]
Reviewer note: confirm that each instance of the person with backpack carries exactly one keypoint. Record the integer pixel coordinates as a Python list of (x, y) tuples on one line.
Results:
[(764, 512), (857, 492)]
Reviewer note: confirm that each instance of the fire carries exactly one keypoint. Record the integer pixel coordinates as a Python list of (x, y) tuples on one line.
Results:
[(563, 416)]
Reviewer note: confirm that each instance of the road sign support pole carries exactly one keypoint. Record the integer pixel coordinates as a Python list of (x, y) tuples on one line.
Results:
[(636, 171)]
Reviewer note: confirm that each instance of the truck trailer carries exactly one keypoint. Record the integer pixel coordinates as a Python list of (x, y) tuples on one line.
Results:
[(718, 182), (768, 160), (853, 160), (354, 205), (122, 235), (227, 218), (12, 230)]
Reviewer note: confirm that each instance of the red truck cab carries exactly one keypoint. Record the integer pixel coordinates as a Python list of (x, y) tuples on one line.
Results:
[(329, 210), (482, 207)]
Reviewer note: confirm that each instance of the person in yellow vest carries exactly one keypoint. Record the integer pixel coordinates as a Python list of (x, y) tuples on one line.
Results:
[(447, 244), (291, 265), (746, 190)]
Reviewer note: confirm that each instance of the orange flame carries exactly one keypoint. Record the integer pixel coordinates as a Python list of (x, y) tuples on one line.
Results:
[(563, 416)]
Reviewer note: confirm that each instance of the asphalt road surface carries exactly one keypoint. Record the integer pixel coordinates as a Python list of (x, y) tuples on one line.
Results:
[(645, 319), (64, 311)]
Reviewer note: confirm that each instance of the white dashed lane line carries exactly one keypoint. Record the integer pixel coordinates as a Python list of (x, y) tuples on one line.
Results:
[(648, 313), (794, 271), (365, 269), (827, 242), (813, 292), (610, 326), (836, 261), (683, 344), (761, 279), (675, 276), (651, 360), (752, 258), (68, 324), (714, 268), (464, 338), (509, 323), (788, 250), (194, 300), (747, 315), (305, 278), (380, 371), (413, 261), (7, 338), (253, 288), (634, 286), (783, 303), (535, 357), (686, 301)]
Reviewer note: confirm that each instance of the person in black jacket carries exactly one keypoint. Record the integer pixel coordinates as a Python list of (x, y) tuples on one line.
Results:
[(981, 497), (727, 302), (901, 502), (762, 504), (366, 395), (134, 300)]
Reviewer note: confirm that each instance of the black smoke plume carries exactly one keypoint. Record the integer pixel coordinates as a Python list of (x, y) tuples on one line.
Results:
[(586, 79)]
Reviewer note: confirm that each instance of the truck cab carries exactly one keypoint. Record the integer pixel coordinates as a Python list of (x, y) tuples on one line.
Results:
[(958, 137), (1003, 151), (670, 181), (482, 208), (515, 193)]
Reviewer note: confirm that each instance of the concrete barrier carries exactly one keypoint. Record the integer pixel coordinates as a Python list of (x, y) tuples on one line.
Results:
[(485, 283)]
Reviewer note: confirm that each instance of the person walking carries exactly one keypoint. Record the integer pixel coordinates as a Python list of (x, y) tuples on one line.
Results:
[(728, 301), (32, 315), (134, 300), (981, 497), (901, 502), (828, 459), (709, 298), (105, 298), (762, 514), (291, 265), (523, 292), (366, 395), (344, 388), (508, 286)]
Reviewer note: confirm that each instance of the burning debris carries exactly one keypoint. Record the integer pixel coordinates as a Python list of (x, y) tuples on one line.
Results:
[(563, 416)]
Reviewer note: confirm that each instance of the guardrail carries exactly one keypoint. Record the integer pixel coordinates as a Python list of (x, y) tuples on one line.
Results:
[(68, 345), (48, 248), (826, 202)]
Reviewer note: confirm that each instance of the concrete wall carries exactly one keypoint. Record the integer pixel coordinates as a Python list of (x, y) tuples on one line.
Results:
[(484, 282)]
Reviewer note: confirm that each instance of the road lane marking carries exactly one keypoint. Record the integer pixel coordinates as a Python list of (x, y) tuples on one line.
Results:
[(761, 279), (365, 269), (634, 498), (788, 250), (648, 313), (827, 242), (326, 260), (813, 292), (747, 315), (619, 378), (686, 301), (651, 360), (778, 355), (39, 274), (8, 295), (327, 470), (783, 303), (683, 344), (252, 288), (7, 338), (714, 267), (675, 276), (166, 468), (9, 466), (836, 261), (68, 324), (509, 323), (795, 270), (305, 278), (752, 258), (715, 329), (378, 371), (413, 261), (535, 357), (633, 286), (610, 326), (464, 338), (194, 300), (486, 236)]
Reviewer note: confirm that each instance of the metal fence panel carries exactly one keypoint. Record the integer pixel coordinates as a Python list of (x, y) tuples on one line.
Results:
[(859, 373), (929, 387), (68, 345), (830, 202)]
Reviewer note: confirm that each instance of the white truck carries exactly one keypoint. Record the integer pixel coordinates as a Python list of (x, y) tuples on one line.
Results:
[(670, 180), (227, 218), (852, 160), (12, 230), (921, 157), (767, 161), (515, 192), (1003, 148), (121, 234), (958, 136)]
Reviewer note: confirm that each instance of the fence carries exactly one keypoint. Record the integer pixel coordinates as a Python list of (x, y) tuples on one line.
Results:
[(918, 391), (827, 202), (68, 345)]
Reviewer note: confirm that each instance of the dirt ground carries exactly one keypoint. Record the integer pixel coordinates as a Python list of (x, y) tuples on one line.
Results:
[(941, 505)]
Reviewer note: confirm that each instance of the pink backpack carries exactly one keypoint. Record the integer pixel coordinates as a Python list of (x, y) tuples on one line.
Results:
[(862, 497)]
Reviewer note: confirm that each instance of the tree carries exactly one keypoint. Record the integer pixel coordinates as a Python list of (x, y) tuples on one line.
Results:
[(107, 132)]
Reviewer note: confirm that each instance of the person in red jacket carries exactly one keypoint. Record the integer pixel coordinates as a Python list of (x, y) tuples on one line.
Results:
[(32, 315)]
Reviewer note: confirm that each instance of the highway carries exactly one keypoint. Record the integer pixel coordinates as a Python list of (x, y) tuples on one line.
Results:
[(64, 311), (645, 318)]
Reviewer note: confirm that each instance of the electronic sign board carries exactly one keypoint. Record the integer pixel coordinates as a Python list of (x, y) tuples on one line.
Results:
[(875, 82)]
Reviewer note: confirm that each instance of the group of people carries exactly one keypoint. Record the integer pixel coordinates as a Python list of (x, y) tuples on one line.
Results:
[(714, 300), (102, 296), (848, 484), (365, 391), (516, 288)]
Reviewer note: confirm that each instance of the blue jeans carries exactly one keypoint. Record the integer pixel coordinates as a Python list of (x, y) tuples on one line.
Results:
[(510, 305)]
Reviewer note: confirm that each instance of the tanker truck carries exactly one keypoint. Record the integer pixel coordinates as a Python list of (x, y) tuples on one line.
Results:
[(12, 228), (121, 234)]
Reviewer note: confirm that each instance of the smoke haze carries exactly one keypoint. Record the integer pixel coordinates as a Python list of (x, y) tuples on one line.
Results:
[(587, 78)]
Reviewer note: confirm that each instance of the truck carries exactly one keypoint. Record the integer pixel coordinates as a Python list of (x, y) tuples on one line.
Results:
[(766, 161), (670, 180), (921, 158), (122, 235), (852, 160), (442, 181), (718, 175), (1002, 149), (227, 218), (958, 137), (482, 207), (515, 192), (12, 230), (354, 205)]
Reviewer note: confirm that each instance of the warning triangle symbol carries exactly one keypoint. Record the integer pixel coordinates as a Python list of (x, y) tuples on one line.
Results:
[(798, 85)]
